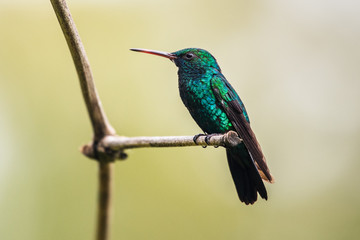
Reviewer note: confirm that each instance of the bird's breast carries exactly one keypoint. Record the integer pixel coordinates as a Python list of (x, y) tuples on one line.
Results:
[(203, 106)]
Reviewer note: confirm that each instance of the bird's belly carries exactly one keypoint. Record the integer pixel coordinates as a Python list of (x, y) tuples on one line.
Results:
[(211, 120), (204, 109)]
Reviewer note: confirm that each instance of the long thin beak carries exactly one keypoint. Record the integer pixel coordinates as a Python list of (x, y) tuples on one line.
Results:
[(158, 53)]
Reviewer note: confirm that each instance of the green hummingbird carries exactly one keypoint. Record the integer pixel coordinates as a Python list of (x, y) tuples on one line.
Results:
[(216, 108)]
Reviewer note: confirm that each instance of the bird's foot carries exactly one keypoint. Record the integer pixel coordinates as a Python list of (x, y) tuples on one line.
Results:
[(209, 136), (199, 135), (195, 138)]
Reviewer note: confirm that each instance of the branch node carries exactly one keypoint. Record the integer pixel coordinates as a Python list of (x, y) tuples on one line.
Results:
[(99, 151)]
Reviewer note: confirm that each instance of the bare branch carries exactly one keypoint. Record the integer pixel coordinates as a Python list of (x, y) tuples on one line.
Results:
[(98, 118), (117, 144), (105, 200), (99, 122)]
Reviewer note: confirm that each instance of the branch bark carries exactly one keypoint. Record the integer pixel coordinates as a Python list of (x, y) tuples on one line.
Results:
[(97, 116), (99, 122), (115, 145)]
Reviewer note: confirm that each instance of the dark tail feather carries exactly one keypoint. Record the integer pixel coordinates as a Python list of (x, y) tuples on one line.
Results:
[(245, 175)]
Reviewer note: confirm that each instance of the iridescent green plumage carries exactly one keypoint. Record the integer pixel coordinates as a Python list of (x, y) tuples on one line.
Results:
[(217, 108), (197, 79)]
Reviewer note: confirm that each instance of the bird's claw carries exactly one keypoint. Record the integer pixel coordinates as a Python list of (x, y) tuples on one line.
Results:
[(209, 136), (207, 139), (195, 138)]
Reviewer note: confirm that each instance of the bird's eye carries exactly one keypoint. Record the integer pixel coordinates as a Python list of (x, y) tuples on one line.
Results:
[(189, 56)]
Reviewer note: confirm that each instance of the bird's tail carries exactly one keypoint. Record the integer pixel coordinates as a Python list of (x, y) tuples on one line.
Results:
[(246, 177)]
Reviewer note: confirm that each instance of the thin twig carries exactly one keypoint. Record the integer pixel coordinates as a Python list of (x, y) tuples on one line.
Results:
[(105, 200), (117, 144), (98, 118), (99, 122)]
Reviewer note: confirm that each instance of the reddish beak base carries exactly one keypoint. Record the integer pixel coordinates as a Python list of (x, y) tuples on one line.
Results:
[(158, 53)]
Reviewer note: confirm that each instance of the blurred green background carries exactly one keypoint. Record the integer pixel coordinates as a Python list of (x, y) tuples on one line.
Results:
[(294, 63)]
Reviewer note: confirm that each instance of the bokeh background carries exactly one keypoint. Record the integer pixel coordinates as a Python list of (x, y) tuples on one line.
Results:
[(294, 63)]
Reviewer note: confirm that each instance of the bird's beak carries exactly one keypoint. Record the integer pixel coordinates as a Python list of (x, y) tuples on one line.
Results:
[(158, 53)]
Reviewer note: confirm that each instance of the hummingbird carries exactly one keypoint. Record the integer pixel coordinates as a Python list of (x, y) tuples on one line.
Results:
[(217, 108)]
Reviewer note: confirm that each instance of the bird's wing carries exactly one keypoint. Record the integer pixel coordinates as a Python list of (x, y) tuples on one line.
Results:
[(235, 110)]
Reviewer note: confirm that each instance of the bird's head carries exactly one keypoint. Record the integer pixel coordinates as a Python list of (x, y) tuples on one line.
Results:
[(191, 60)]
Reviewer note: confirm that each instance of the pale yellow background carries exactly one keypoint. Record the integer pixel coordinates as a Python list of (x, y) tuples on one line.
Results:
[(294, 63)]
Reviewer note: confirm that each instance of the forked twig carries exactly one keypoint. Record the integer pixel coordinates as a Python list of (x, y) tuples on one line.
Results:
[(106, 145), (99, 122)]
